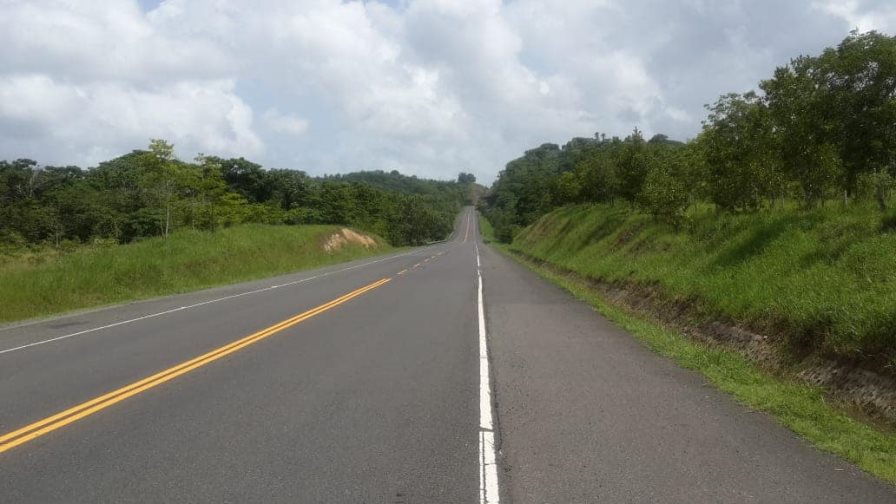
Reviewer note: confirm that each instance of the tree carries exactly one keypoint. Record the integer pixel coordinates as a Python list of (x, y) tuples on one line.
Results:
[(735, 139), (289, 187), (163, 180), (246, 178), (565, 189), (213, 205), (466, 178), (859, 79), (663, 195), (522, 188), (18, 180), (632, 166), (659, 138), (81, 213), (597, 177), (797, 107)]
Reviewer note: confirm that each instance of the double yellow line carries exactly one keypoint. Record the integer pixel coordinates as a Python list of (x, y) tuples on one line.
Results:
[(63, 418)]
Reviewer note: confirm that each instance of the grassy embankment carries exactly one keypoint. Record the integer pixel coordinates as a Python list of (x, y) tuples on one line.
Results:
[(824, 281), (33, 285)]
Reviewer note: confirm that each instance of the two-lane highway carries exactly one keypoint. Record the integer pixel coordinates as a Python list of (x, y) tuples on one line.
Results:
[(359, 383), (393, 379)]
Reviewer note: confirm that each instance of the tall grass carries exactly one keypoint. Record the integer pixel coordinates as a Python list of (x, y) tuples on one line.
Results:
[(825, 278), (486, 229), (188, 260)]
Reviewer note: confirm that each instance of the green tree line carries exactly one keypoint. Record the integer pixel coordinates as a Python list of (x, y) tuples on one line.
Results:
[(821, 128), (152, 193)]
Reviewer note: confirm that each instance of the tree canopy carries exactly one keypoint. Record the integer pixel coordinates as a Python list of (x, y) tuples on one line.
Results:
[(152, 193), (821, 127)]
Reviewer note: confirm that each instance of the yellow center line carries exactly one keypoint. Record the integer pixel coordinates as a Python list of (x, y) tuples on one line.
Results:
[(63, 418)]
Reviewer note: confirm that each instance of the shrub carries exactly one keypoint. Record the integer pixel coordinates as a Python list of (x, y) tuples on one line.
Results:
[(664, 196)]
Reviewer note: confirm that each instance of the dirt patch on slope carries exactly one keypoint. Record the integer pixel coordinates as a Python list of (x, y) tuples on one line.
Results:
[(345, 236)]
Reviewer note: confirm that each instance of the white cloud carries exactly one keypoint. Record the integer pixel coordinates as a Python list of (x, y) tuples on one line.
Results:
[(101, 40), (861, 15), (430, 87), (60, 122), (284, 123)]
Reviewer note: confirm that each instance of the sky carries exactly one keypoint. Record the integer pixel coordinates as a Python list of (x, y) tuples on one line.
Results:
[(426, 87)]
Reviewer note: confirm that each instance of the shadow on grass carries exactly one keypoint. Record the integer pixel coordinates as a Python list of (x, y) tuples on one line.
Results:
[(756, 243)]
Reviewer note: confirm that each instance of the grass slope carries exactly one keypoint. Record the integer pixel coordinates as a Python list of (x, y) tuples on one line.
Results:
[(825, 279), (486, 229), (46, 284)]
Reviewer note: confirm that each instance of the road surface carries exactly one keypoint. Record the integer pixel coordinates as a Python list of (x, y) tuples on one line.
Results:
[(370, 382)]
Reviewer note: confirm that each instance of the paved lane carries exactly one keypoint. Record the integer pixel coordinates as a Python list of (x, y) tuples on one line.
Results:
[(373, 400)]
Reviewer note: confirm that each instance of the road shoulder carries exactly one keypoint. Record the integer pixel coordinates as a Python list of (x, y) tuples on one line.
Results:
[(587, 414)]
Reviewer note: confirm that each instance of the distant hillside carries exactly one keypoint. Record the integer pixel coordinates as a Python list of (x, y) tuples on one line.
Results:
[(150, 193), (395, 181)]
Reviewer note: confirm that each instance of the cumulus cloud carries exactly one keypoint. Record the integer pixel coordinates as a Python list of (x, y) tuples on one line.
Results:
[(63, 122), (108, 40), (284, 123), (863, 15), (429, 87)]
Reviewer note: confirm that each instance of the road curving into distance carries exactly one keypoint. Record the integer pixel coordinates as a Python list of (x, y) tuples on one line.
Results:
[(446, 373)]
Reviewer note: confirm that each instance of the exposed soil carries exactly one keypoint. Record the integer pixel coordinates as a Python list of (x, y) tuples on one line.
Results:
[(872, 392), (345, 236)]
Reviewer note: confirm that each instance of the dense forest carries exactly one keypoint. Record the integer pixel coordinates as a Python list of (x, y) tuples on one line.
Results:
[(151, 193), (821, 129)]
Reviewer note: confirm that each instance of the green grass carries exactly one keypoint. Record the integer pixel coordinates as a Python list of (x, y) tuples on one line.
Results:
[(44, 284), (824, 279), (486, 229), (801, 408)]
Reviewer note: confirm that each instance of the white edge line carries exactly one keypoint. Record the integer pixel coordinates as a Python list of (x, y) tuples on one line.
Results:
[(196, 305), (488, 468)]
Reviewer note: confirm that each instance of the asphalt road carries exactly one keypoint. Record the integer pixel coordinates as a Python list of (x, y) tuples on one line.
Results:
[(367, 382)]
